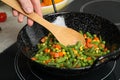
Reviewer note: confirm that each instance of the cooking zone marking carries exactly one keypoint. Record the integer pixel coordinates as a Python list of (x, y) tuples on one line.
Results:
[(91, 2), (17, 70), (110, 71)]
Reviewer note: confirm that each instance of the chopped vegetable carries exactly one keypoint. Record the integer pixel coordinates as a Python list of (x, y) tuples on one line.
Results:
[(52, 53)]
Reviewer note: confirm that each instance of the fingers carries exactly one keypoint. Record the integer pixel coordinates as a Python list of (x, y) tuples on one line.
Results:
[(20, 18), (15, 13), (37, 7), (26, 5), (30, 22)]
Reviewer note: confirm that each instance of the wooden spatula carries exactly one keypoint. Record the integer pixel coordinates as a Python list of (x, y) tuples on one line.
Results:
[(64, 35)]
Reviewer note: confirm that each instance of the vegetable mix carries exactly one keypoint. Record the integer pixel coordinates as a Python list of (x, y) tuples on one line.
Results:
[(53, 53)]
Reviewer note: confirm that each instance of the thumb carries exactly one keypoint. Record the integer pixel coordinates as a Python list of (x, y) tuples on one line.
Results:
[(26, 5)]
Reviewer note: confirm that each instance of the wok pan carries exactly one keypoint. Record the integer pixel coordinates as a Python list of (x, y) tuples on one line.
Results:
[(28, 38)]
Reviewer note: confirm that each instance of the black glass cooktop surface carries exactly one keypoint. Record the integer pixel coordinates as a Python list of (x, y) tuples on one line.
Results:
[(14, 65)]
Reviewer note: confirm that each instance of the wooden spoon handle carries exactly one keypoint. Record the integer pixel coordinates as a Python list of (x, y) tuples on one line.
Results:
[(15, 4)]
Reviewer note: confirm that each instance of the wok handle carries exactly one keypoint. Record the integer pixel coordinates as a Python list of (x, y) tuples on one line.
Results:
[(106, 58)]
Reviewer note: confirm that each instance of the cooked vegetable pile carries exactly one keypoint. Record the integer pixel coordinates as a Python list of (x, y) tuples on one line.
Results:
[(52, 53)]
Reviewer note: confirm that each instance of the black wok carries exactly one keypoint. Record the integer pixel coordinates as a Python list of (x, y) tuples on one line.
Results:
[(28, 38)]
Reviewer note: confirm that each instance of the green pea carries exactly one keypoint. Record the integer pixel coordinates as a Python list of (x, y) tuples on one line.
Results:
[(108, 51), (103, 42), (83, 64), (85, 60), (71, 60)]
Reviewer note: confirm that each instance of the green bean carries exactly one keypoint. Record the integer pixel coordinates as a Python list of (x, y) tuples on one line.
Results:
[(43, 58), (61, 59), (81, 32), (42, 48), (71, 52), (91, 50), (38, 61), (100, 38), (89, 34), (76, 63), (78, 44), (95, 42), (92, 54), (51, 64), (71, 60)]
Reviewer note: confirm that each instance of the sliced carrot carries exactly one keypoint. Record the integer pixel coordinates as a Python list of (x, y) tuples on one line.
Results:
[(47, 61), (56, 55), (47, 50), (105, 49), (43, 39), (61, 54), (57, 46), (33, 58), (88, 40), (95, 46), (89, 58), (96, 39), (102, 45), (52, 54), (89, 45)]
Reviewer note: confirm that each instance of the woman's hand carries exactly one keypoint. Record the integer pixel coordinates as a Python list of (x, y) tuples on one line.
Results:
[(28, 6)]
